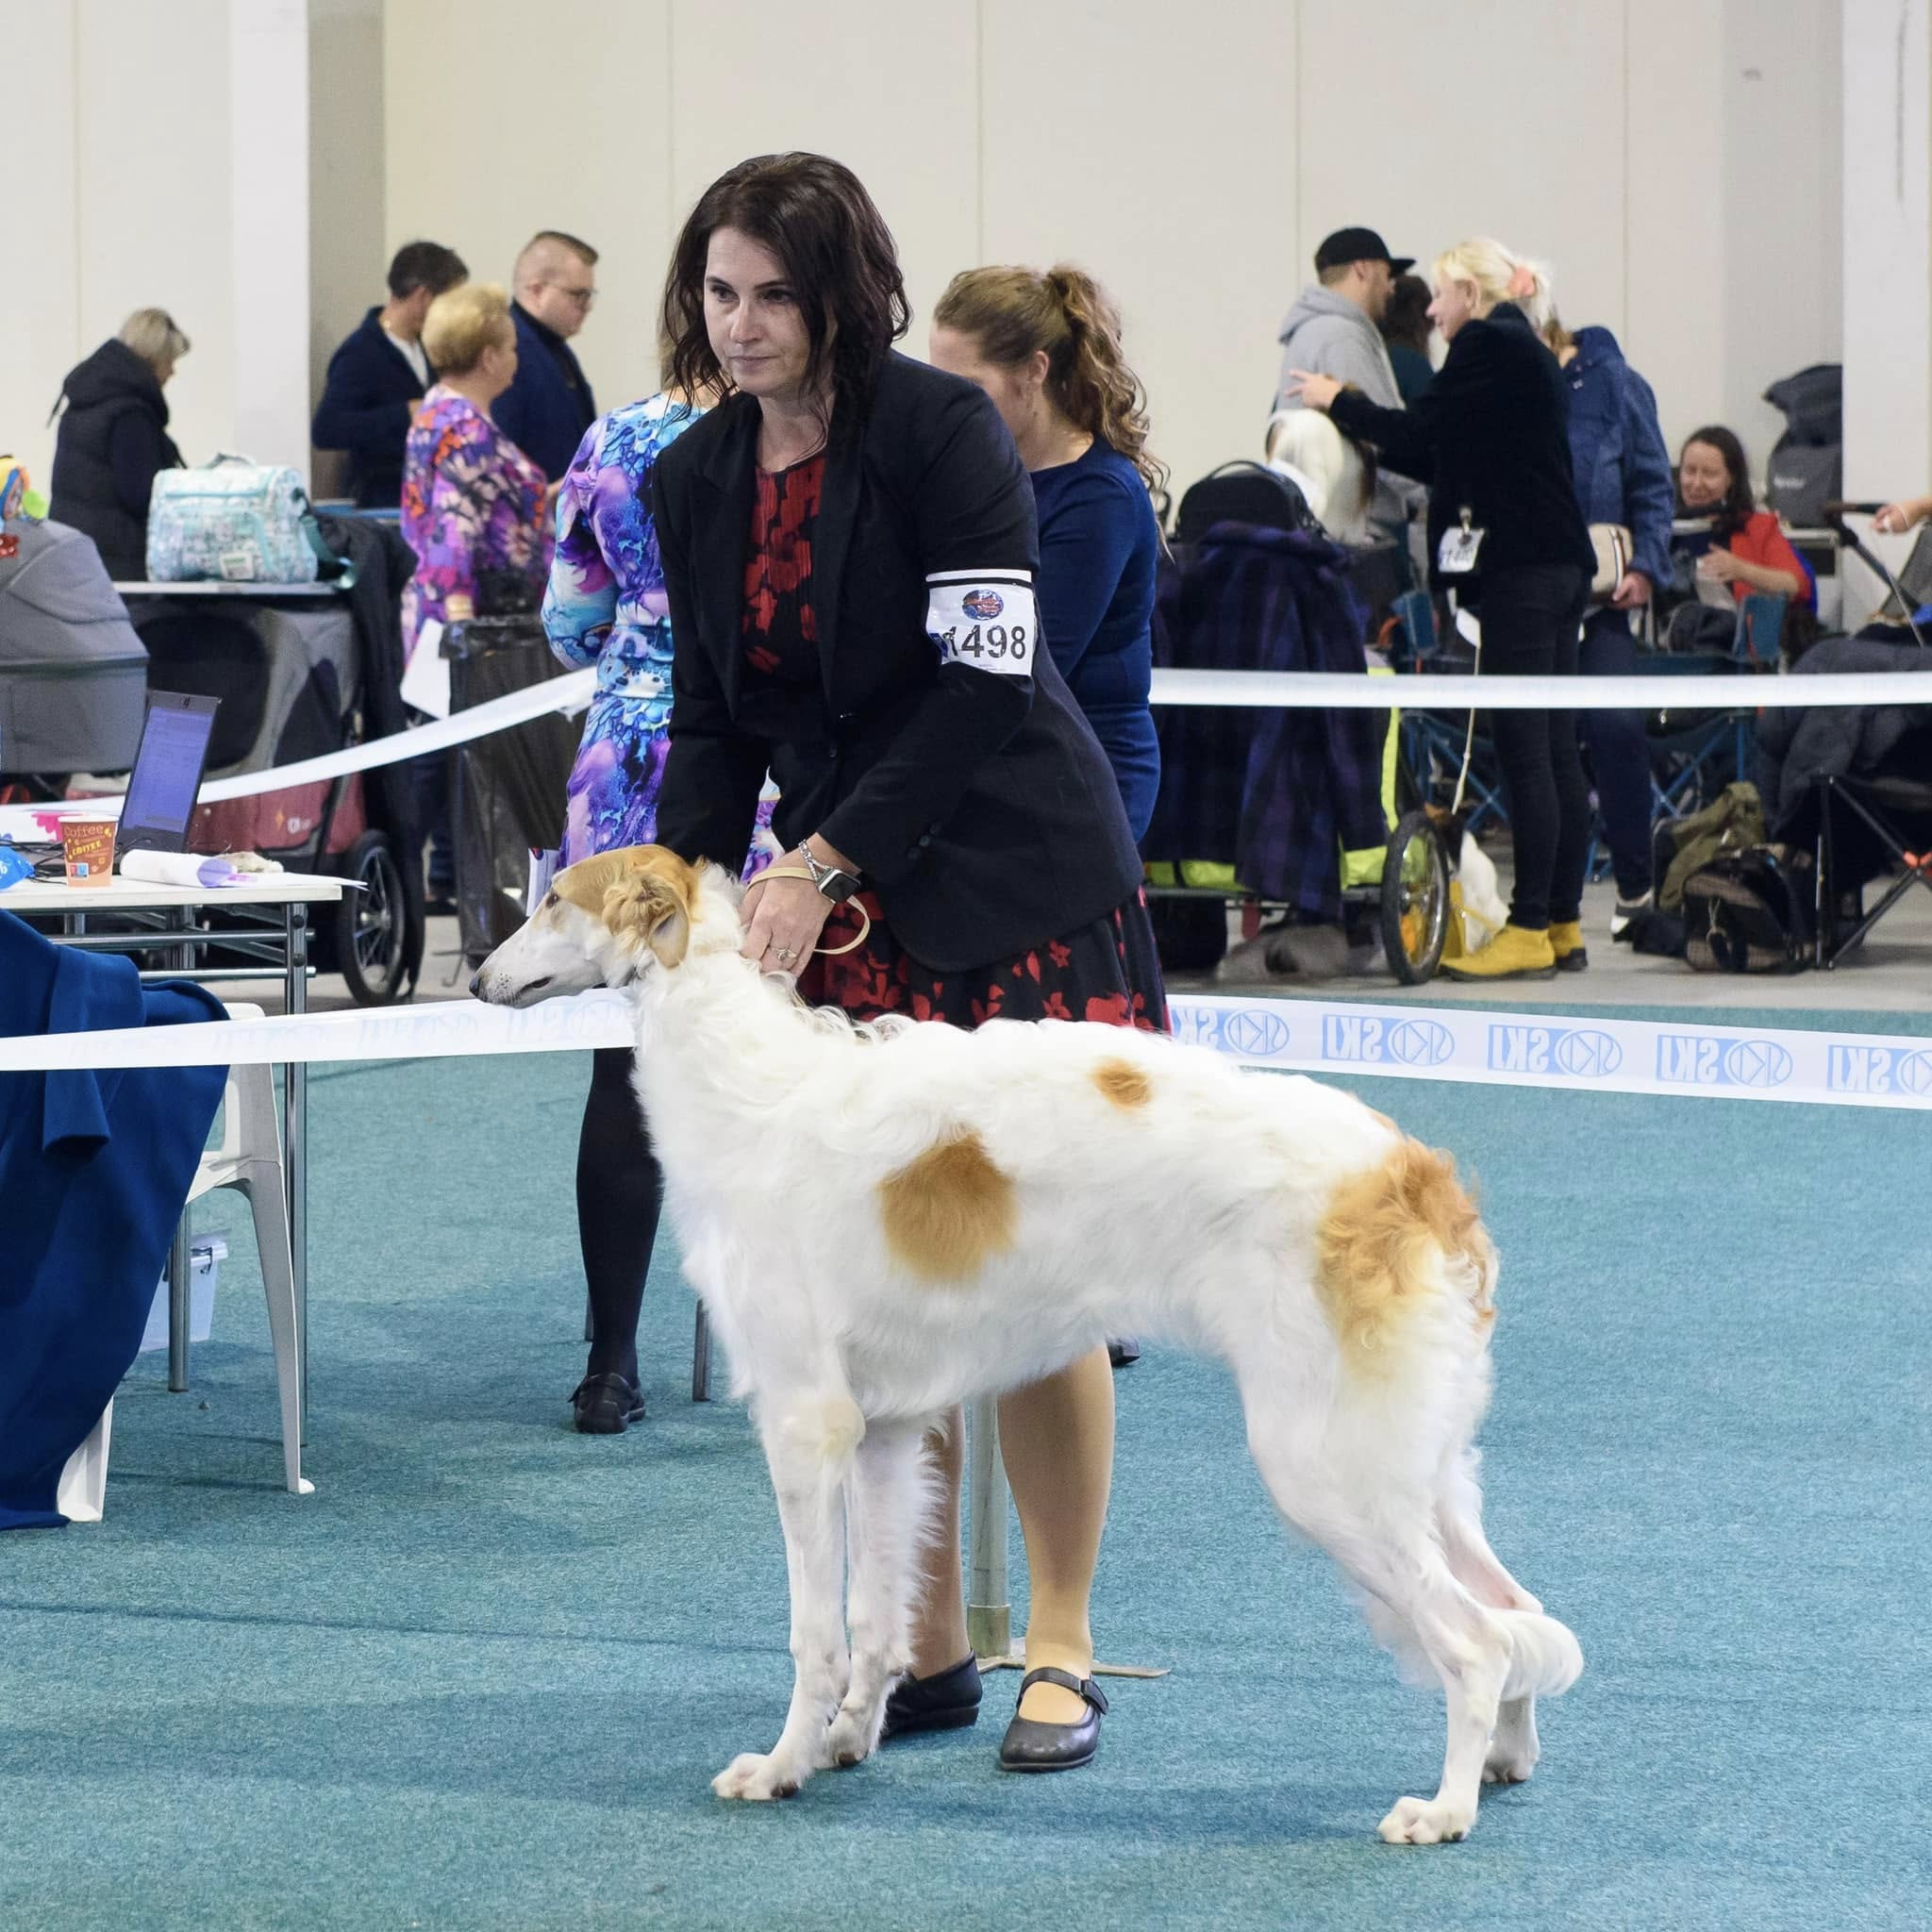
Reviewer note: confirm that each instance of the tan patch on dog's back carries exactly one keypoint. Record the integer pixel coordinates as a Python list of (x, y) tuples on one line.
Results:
[(1390, 1237), (948, 1212), (1123, 1083)]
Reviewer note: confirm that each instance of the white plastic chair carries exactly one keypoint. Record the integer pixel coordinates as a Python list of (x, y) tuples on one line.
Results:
[(249, 1158)]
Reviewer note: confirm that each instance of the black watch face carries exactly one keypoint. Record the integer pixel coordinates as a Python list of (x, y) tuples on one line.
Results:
[(839, 886)]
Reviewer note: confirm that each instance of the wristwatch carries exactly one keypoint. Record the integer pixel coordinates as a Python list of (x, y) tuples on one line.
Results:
[(836, 885)]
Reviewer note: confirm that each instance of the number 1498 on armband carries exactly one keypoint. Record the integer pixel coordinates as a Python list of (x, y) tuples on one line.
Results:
[(986, 641)]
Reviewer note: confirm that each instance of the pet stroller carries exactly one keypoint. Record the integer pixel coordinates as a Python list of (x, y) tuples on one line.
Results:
[(1300, 813), (291, 677)]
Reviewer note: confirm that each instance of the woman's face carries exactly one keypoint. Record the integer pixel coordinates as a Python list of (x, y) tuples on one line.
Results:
[(753, 319), (1455, 304), (496, 368), (1018, 392), (1704, 478)]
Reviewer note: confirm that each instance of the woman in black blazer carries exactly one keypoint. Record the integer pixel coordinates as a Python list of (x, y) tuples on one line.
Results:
[(848, 545), (1490, 436)]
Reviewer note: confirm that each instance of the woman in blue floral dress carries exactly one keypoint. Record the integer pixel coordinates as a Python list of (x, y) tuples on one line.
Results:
[(605, 606)]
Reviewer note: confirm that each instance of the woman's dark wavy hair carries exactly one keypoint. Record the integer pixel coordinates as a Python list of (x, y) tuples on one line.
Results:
[(1738, 505), (838, 255)]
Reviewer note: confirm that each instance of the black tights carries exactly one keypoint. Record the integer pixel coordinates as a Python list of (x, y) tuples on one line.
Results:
[(1529, 618), (620, 1191)]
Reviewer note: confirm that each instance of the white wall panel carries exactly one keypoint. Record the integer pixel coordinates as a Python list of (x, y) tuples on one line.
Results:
[(501, 122), (1160, 156), (893, 92)]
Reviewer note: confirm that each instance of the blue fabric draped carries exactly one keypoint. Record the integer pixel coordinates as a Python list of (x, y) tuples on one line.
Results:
[(94, 1169)]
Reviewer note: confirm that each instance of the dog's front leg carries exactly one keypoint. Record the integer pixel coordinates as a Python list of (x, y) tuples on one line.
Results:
[(808, 1445), (883, 1523)]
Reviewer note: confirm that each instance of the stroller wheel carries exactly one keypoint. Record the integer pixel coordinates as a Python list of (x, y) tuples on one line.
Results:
[(372, 925), (1415, 899)]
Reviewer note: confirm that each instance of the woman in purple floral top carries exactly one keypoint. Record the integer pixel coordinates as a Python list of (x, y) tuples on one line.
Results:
[(472, 502)]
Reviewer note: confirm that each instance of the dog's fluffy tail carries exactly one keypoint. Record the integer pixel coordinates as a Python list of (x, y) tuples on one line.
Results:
[(1400, 1243), (1544, 1655)]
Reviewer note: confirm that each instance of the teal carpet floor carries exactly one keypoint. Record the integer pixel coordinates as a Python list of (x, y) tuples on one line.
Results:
[(481, 1678)]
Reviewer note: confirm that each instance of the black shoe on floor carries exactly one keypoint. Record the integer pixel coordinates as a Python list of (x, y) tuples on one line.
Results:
[(1122, 1350), (1030, 1745), (607, 1405), (946, 1701)]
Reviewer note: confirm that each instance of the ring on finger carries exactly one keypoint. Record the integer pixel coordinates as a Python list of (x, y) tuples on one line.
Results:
[(786, 954)]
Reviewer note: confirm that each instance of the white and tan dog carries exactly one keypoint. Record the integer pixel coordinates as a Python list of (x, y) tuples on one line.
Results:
[(887, 1221)]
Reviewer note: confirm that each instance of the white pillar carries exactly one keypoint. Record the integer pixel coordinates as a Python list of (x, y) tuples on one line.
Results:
[(1888, 247), (268, 70)]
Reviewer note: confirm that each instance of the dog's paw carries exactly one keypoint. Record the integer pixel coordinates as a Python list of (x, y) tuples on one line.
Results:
[(757, 1779), (1513, 1748), (853, 1737), (1426, 1821)]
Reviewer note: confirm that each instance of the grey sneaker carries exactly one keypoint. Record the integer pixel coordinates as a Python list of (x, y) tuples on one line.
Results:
[(1628, 909)]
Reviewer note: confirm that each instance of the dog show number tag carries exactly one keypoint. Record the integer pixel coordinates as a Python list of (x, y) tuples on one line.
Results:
[(987, 621), (1456, 554)]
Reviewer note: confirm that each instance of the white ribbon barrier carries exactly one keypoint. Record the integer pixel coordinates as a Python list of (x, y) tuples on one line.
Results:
[(1475, 1045), (1242, 690)]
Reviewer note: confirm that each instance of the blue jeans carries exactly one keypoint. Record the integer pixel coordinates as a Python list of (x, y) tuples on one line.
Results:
[(1619, 755)]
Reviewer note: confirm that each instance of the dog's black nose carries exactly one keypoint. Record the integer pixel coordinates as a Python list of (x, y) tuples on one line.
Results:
[(476, 984)]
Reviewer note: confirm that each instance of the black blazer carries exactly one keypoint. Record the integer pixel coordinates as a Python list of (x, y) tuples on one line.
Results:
[(978, 804), (367, 399), (1490, 435)]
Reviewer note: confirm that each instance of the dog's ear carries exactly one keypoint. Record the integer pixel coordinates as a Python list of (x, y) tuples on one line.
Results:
[(652, 909)]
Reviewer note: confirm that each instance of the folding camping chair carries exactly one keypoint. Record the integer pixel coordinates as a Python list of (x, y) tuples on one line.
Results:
[(1704, 754), (1864, 822)]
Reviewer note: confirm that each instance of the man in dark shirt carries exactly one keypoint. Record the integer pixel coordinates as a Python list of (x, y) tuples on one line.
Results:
[(379, 374), (548, 405)]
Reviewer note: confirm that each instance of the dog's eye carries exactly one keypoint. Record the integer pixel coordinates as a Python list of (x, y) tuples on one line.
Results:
[(549, 902)]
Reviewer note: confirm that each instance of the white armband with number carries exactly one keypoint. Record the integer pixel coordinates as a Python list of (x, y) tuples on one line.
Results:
[(986, 620)]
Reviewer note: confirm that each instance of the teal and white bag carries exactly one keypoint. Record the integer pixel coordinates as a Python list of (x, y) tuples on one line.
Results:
[(245, 523)]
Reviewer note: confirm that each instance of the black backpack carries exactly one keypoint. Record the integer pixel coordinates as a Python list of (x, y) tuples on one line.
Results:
[(1244, 492), (1751, 911)]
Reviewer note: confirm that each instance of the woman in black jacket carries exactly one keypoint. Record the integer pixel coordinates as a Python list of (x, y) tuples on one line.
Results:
[(114, 439), (1490, 436), (849, 546)]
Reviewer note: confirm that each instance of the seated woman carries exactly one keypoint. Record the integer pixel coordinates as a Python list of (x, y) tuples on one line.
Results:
[(474, 508), (1748, 550), (114, 439)]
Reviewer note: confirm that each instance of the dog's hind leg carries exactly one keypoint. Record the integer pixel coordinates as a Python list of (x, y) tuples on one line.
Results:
[(810, 1440), (1514, 1749), (887, 1504)]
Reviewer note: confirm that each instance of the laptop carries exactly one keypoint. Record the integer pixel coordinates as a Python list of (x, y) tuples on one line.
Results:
[(166, 779)]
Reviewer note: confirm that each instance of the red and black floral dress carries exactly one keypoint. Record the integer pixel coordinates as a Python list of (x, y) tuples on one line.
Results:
[(1105, 971)]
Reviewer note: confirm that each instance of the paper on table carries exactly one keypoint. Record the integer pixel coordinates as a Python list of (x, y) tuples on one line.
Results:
[(425, 678), (178, 869)]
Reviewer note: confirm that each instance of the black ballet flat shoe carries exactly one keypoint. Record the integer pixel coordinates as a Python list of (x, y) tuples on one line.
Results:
[(607, 1405), (1124, 1350), (1030, 1745), (946, 1701)]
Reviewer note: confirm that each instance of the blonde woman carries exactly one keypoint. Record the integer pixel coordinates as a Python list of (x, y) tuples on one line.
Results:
[(1046, 350), (114, 439), (1490, 437)]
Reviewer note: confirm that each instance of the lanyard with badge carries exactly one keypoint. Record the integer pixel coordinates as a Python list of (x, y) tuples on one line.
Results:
[(1456, 554)]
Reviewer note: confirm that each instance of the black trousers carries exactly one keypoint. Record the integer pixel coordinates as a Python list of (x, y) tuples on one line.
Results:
[(1619, 755), (1530, 615), (620, 1194)]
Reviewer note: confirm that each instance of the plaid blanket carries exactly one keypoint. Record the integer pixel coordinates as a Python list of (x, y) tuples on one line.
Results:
[(1278, 793)]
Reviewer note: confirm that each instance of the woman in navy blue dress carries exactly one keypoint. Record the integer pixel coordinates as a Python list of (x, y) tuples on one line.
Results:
[(1046, 349)]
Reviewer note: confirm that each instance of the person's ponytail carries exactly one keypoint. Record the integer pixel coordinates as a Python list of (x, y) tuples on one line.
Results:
[(1016, 313)]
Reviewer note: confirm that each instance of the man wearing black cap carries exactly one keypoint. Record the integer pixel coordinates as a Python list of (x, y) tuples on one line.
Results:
[(1333, 329)]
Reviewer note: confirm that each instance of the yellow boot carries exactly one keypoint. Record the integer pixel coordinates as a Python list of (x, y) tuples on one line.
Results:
[(1566, 941), (1515, 952)]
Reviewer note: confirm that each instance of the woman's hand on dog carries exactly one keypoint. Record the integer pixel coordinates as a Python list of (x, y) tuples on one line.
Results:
[(1312, 390), (783, 919)]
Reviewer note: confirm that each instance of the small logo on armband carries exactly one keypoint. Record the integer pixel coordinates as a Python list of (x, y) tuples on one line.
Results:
[(983, 605)]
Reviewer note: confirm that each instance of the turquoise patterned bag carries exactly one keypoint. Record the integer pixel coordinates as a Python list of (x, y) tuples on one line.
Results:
[(246, 522)]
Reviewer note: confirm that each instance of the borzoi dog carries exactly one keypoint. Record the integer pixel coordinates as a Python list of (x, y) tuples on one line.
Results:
[(941, 1215)]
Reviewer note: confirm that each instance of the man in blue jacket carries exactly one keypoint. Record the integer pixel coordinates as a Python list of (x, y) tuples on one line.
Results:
[(379, 374), (548, 405), (1622, 471)]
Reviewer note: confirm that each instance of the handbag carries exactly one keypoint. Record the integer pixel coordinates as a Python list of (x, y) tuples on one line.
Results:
[(1612, 543), (1750, 911), (240, 522)]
